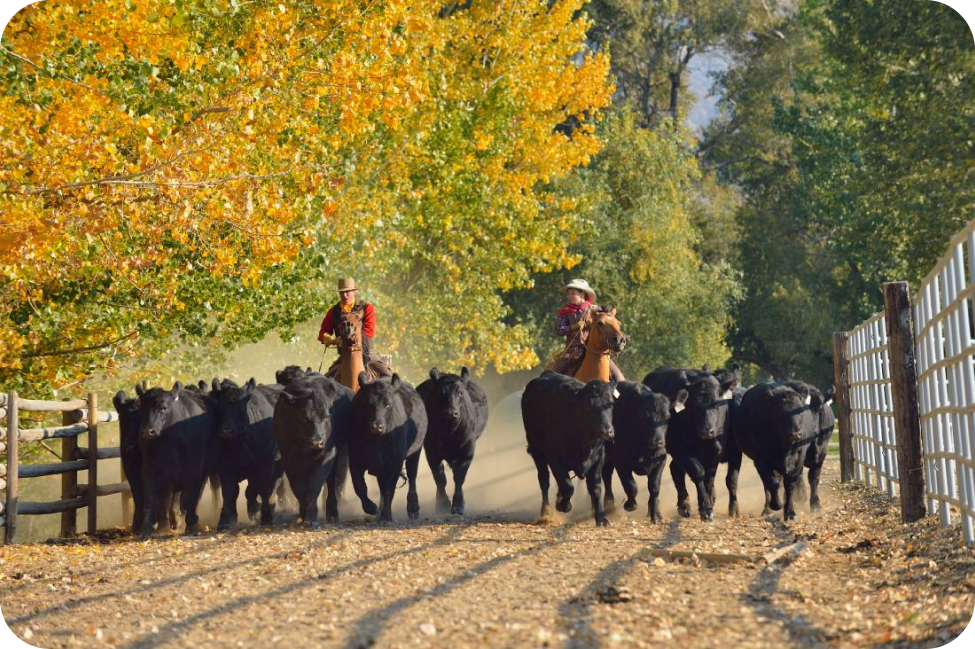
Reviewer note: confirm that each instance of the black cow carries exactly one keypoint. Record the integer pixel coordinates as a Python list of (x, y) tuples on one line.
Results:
[(819, 445), (290, 373), (129, 422), (775, 426), (246, 447), (176, 436), (312, 420), (390, 425), (457, 412), (640, 418), (567, 423), (699, 437)]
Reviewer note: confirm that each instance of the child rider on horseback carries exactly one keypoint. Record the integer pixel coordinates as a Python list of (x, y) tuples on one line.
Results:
[(571, 322)]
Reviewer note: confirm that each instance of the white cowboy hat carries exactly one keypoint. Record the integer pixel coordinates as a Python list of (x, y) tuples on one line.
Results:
[(581, 285)]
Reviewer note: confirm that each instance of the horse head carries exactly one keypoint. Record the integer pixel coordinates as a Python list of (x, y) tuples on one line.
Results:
[(349, 330), (605, 333)]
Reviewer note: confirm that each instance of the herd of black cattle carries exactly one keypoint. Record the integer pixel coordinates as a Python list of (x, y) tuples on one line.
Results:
[(315, 432)]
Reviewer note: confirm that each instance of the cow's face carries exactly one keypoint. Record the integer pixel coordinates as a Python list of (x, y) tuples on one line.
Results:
[(788, 412), (289, 374), (308, 414), (232, 401), (653, 415), (378, 402), (452, 395), (155, 408), (129, 420), (597, 398), (705, 407)]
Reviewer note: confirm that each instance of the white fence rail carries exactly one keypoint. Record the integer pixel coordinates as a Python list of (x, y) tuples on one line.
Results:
[(944, 339), (946, 381), (872, 412)]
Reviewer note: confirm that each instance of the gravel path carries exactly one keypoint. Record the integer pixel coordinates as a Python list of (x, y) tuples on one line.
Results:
[(862, 579)]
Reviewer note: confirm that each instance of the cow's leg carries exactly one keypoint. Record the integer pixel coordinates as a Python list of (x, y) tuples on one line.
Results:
[(460, 468), (228, 511), (629, 487), (654, 473), (677, 473), (563, 498), (609, 464), (332, 500), (731, 479), (771, 488), (814, 472), (412, 497), (594, 483), (265, 481), (543, 482), (357, 474), (799, 490), (314, 489), (440, 478), (695, 470), (790, 480), (251, 494), (151, 494), (387, 488), (709, 476), (189, 498)]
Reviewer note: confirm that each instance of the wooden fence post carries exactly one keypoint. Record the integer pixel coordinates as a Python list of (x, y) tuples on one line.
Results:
[(13, 467), (69, 480), (841, 381), (903, 387), (92, 463)]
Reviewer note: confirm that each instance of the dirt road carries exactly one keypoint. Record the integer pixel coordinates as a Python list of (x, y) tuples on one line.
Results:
[(861, 579)]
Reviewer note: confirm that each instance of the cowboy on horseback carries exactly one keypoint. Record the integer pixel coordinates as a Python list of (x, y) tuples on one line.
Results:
[(571, 321), (350, 304)]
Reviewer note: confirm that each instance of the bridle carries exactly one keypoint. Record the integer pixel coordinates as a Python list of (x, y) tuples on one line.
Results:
[(601, 352)]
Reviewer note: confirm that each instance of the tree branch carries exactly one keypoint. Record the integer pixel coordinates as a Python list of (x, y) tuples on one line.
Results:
[(80, 350)]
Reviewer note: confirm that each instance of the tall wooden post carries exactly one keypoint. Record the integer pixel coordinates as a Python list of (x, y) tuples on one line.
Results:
[(92, 463), (13, 467), (69, 480), (841, 380), (903, 387)]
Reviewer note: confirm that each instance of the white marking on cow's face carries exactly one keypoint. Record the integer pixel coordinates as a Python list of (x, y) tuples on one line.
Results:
[(678, 407), (808, 400), (727, 394)]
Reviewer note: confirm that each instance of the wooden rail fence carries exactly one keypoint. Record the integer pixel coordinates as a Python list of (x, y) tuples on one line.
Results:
[(905, 383), (78, 417)]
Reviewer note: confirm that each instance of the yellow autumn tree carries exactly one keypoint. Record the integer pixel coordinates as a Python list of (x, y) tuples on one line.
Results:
[(190, 170)]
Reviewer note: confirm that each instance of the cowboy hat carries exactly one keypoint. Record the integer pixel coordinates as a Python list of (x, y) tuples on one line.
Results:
[(581, 285), (347, 284)]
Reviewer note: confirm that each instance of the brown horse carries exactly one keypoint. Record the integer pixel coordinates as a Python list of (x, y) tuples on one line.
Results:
[(605, 338), (349, 331)]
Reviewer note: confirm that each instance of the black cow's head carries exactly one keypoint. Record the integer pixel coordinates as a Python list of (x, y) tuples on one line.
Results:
[(789, 411), (129, 419), (707, 405), (653, 414), (155, 405), (232, 403), (309, 414), (289, 374), (376, 404), (452, 397), (597, 398)]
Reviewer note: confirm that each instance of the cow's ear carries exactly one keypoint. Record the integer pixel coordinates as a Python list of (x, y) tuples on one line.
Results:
[(728, 387), (308, 369), (434, 373), (177, 390), (203, 386), (706, 368), (119, 399), (682, 379), (215, 386), (677, 404), (138, 390), (363, 379), (395, 381), (250, 386), (465, 374)]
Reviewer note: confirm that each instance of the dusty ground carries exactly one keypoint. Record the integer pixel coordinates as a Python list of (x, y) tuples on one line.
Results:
[(863, 579)]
